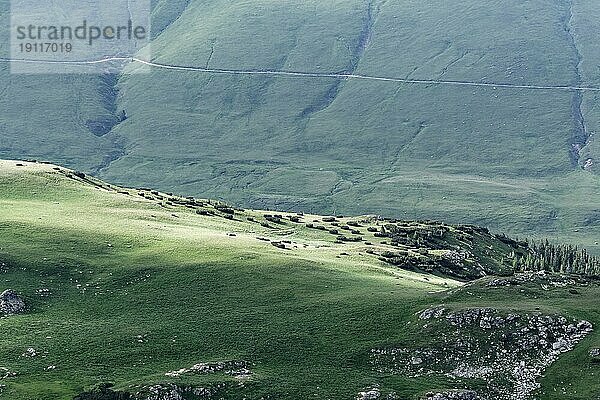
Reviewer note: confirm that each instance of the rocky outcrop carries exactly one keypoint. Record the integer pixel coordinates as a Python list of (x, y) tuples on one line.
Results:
[(374, 393), (509, 351), (453, 395), (369, 394), (11, 303), (178, 392), (237, 369), (167, 391)]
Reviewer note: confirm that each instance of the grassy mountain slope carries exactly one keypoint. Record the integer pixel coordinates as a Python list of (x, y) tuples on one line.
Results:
[(325, 145), (123, 288)]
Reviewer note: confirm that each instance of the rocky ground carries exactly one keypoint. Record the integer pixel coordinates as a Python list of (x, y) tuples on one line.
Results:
[(11, 303), (545, 280), (175, 392), (453, 395), (508, 351), (237, 369)]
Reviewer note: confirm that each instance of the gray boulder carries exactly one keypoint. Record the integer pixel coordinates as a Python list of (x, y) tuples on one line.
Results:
[(595, 355), (369, 394), (11, 303)]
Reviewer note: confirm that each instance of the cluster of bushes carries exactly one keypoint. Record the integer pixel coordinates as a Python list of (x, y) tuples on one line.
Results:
[(276, 219), (526, 256), (432, 236), (318, 227), (343, 238), (224, 209)]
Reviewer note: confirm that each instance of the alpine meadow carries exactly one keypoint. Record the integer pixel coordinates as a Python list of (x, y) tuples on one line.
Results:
[(334, 199)]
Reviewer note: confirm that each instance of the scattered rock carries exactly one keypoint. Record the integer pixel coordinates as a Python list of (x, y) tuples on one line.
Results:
[(453, 395), (177, 392), (595, 355), (369, 394), (237, 369), (29, 353), (435, 312), (11, 303), (5, 373), (43, 292)]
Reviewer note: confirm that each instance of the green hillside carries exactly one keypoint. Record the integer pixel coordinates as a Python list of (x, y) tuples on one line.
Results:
[(516, 160), (161, 295)]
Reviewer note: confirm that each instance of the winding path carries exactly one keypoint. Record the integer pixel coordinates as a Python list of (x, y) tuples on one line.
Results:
[(300, 74)]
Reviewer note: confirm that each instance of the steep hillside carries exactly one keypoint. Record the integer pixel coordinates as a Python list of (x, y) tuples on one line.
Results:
[(143, 295), (518, 160)]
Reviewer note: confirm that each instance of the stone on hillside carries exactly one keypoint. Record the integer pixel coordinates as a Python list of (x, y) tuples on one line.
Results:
[(595, 354), (11, 303), (453, 395), (369, 394), (434, 312)]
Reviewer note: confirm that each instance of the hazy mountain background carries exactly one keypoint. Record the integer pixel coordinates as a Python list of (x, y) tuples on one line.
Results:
[(522, 161)]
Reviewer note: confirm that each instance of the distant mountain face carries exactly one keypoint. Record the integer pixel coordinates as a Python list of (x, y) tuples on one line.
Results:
[(512, 158)]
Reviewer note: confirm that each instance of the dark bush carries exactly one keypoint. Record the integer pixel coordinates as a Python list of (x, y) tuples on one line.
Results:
[(103, 392), (349, 239), (273, 218), (224, 209)]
